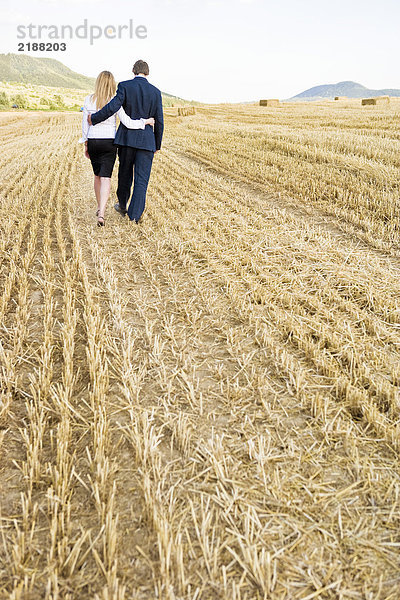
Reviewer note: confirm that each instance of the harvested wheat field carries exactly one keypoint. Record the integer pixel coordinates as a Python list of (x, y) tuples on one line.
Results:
[(206, 405)]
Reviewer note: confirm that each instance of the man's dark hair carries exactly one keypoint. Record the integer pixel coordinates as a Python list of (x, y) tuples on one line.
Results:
[(141, 66)]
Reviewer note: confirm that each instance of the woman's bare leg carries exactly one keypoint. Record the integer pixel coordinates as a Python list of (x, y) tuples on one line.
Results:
[(97, 182), (105, 188)]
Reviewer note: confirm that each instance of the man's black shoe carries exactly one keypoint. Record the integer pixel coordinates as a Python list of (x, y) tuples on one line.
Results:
[(121, 211)]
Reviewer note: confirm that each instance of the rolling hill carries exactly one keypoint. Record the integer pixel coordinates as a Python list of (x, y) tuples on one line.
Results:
[(21, 68), (24, 69), (351, 89)]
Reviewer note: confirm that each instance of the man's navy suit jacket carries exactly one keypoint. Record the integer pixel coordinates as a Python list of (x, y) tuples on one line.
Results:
[(140, 100)]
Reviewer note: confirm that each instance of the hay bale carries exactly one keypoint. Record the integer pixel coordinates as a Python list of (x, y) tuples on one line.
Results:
[(382, 100), (186, 111), (378, 101), (340, 98), (271, 102)]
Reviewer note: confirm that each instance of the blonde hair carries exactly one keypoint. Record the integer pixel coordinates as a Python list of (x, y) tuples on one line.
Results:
[(104, 89)]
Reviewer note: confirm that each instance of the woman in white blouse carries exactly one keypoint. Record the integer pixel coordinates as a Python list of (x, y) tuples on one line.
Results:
[(99, 139)]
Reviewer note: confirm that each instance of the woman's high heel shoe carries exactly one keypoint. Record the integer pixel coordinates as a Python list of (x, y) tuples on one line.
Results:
[(101, 221)]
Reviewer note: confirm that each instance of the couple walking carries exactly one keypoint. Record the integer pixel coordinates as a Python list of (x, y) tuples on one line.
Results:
[(138, 104)]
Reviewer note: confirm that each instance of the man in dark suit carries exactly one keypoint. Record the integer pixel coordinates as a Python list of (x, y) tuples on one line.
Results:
[(136, 147)]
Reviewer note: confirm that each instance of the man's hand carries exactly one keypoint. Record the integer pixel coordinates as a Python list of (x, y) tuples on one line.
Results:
[(86, 151), (89, 119)]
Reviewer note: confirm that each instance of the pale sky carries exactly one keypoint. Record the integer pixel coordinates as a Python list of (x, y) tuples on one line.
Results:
[(226, 50)]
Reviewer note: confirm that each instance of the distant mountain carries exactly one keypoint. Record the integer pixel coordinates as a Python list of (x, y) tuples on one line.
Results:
[(21, 68), (351, 89)]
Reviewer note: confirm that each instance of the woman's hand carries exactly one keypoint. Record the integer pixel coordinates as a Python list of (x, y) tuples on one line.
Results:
[(150, 122), (86, 151)]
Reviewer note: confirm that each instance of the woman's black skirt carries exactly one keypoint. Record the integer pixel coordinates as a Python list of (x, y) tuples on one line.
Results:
[(102, 154)]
